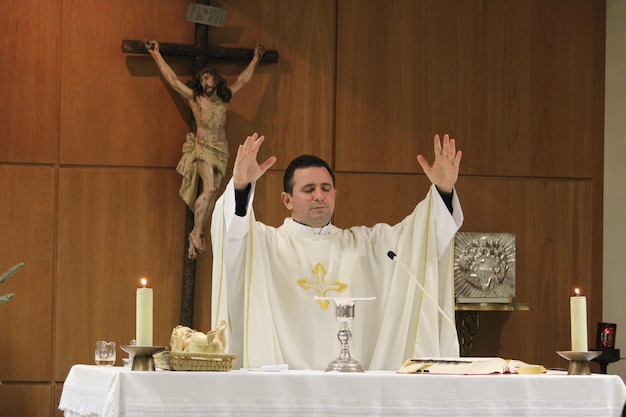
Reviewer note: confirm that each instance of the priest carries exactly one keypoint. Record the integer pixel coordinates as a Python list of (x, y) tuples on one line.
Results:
[(266, 279)]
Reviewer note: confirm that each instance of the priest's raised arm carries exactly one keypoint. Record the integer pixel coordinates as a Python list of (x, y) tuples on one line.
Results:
[(265, 278)]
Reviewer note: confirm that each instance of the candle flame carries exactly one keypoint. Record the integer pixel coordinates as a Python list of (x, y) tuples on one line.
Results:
[(577, 291), (144, 282)]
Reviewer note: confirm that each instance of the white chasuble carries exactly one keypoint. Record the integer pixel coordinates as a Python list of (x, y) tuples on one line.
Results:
[(265, 280)]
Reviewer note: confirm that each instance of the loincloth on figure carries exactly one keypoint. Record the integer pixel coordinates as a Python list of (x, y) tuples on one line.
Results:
[(214, 154)]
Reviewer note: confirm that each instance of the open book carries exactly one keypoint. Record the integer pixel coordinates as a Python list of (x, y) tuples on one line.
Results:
[(469, 366)]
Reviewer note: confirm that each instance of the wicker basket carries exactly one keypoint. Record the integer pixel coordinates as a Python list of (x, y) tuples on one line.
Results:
[(181, 361)]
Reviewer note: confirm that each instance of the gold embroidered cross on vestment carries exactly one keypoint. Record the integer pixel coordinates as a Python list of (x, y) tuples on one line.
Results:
[(319, 287)]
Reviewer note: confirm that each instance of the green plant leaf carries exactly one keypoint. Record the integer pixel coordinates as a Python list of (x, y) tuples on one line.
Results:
[(11, 271), (5, 298)]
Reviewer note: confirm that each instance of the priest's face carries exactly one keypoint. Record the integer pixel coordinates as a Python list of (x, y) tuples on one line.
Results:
[(312, 201)]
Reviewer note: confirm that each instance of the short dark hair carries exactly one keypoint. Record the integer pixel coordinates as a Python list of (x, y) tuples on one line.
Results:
[(304, 161), (221, 89)]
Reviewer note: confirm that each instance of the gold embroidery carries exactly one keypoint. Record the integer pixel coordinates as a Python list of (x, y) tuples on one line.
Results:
[(320, 287)]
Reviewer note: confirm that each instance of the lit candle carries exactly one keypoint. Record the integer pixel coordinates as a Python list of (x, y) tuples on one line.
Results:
[(578, 317), (143, 329)]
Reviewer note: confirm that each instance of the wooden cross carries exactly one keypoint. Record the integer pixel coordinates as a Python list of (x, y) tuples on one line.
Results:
[(202, 54)]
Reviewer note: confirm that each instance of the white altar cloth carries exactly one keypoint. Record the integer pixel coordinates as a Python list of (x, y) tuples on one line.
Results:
[(91, 391)]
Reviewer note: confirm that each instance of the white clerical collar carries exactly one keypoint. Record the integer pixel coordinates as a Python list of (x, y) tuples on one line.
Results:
[(324, 230)]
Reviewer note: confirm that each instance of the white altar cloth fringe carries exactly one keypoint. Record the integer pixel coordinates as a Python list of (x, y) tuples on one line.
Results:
[(91, 391)]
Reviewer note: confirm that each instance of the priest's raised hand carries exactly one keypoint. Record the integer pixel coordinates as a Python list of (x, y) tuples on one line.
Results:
[(246, 169), (445, 170)]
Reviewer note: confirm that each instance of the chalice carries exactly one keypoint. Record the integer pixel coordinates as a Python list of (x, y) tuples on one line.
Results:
[(344, 310)]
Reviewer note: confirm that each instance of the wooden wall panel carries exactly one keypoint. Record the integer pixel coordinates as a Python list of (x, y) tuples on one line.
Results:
[(58, 391), (359, 199), (469, 69), (115, 109), (565, 117), (21, 400), (29, 65), (381, 88), (553, 223), (115, 226), (27, 223), (290, 102)]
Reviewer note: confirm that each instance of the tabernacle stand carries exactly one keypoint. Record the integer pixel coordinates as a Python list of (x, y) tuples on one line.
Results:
[(606, 357)]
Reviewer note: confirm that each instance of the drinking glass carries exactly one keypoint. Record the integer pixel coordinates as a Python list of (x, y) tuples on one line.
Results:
[(105, 353)]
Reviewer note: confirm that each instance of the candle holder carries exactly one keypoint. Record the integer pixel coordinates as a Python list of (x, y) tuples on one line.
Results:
[(344, 311), (142, 356), (578, 361)]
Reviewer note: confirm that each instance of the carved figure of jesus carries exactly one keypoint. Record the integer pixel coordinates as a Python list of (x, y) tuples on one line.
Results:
[(205, 152)]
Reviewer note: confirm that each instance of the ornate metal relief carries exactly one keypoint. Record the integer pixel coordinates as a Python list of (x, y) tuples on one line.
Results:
[(484, 267)]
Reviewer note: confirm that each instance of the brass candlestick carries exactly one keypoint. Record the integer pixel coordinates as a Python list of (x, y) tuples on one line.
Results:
[(142, 356), (578, 361)]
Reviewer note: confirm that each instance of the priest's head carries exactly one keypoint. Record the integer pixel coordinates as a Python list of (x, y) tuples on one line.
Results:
[(309, 191)]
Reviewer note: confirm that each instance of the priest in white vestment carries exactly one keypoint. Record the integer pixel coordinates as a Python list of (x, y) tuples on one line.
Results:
[(265, 278)]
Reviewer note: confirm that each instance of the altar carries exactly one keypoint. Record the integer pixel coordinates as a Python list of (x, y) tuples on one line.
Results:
[(116, 391)]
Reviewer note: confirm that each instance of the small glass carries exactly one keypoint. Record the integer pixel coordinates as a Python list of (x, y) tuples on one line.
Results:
[(105, 353)]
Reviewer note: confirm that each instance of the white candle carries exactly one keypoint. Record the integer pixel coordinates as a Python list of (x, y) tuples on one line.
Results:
[(143, 329), (578, 318)]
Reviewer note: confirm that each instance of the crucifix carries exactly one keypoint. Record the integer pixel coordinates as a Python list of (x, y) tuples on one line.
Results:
[(203, 15)]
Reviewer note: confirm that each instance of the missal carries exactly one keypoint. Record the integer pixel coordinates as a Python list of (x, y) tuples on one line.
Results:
[(469, 366)]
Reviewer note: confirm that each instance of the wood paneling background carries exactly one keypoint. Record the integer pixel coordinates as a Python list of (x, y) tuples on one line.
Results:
[(90, 137)]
